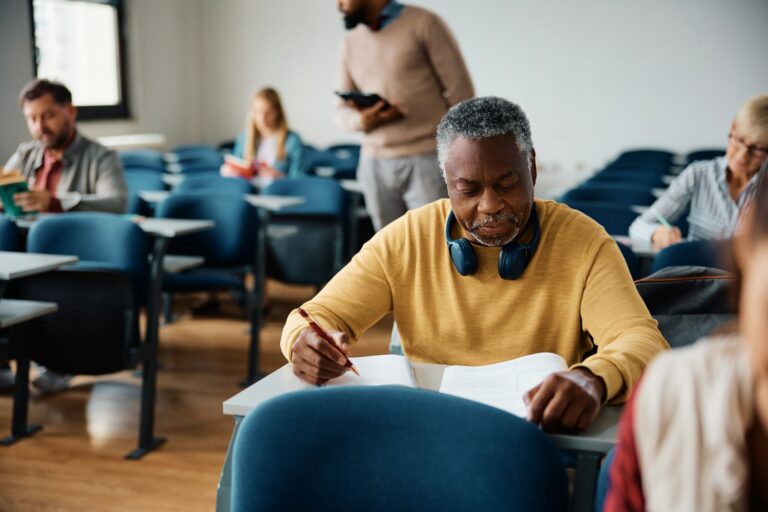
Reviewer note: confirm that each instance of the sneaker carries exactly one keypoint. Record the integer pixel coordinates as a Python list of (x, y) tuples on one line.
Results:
[(7, 380), (51, 382)]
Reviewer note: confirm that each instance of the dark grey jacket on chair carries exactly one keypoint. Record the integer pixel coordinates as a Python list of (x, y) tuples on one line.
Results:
[(688, 302)]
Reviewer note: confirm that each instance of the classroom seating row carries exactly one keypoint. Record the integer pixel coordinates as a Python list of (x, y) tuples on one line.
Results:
[(337, 160)]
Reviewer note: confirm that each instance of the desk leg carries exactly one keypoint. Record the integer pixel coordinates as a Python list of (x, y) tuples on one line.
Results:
[(224, 491), (147, 441), (585, 484), (19, 426), (256, 297)]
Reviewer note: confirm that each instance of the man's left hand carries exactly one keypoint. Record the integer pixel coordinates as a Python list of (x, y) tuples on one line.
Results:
[(33, 200), (566, 401)]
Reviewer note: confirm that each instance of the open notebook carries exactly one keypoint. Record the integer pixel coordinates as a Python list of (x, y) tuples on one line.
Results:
[(499, 385)]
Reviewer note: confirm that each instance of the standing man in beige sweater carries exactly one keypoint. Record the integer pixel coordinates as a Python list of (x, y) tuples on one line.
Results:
[(408, 56)]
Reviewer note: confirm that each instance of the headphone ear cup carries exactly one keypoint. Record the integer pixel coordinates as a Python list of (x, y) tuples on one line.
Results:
[(512, 262), (463, 256)]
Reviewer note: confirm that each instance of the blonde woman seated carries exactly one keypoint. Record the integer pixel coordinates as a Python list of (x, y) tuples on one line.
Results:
[(714, 190), (267, 147), (694, 435)]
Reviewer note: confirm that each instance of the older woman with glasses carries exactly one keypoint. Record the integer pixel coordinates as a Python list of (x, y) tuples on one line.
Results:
[(713, 190)]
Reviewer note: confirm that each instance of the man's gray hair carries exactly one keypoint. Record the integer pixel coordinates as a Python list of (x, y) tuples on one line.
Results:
[(480, 118)]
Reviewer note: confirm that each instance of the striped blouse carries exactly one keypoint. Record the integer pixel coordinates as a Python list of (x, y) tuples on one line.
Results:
[(703, 188)]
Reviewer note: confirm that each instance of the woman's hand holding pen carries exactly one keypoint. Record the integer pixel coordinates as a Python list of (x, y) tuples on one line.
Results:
[(666, 236), (315, 360)]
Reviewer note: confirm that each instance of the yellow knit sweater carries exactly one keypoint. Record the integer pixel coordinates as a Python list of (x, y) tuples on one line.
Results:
[(576, 287)]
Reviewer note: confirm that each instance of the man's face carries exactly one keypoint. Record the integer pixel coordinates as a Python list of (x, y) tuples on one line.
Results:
[(353, 11), (490, 184), (50, 123)]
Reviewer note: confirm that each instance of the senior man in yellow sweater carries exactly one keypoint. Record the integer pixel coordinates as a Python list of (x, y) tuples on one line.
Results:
[(491, 274)]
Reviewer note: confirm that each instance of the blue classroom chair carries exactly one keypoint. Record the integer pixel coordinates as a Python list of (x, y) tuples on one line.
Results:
[(315, 251), (233, 248), (10, 235), (698, 253), (88, 334), (405, 449), (140, 181), (652, 158), (217, 183), (641, 179), (616, 219), (610, 193), (142, 159)]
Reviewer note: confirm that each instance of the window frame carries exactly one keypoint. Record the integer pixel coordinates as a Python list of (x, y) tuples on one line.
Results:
[(120, 110)]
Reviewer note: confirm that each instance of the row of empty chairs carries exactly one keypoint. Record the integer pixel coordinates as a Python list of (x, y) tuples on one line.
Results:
[(616, 194)]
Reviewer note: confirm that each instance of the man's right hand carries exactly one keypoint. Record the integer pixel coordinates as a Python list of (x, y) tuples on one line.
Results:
[(379, 114), (314, 360), (664, 237)]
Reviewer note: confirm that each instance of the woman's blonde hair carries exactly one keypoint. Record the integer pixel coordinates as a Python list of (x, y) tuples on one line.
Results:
[(252, 134), (753, 117)]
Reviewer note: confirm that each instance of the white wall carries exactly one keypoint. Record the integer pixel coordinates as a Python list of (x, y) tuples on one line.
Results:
[(163, 69), (595, 77)]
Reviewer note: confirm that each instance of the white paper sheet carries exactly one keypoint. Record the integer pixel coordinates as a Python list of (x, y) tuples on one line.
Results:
[(502, 385), (382, 370)]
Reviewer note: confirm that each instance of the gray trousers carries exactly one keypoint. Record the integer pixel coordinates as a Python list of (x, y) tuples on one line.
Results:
[(392, 186)]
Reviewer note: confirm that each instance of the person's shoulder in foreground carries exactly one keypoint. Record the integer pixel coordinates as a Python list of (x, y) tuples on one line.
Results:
[(681, 439)]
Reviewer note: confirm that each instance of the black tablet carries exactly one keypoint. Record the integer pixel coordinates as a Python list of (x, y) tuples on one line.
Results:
[(361, 99)]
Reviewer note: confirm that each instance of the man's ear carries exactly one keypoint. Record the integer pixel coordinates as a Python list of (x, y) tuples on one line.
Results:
[(532, 165), (72, 110)]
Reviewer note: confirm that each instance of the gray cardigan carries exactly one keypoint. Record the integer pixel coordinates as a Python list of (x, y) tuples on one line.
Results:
[(91, 180)]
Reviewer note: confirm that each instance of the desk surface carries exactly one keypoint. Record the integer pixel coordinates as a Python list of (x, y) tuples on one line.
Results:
[(14, 312), (600, 437), (271, 203), (14, 265), (171, 228)]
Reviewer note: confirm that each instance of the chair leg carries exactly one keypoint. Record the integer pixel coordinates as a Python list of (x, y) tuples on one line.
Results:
[(147, 440), (168, 308), (19, 426)]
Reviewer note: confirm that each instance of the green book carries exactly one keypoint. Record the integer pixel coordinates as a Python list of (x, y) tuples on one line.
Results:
[(10, 185)]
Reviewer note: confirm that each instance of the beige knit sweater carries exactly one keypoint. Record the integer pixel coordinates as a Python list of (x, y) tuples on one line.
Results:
[(414, 61)]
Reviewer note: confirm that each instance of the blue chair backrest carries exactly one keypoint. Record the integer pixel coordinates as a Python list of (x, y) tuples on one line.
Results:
[(202, 155), (217, 183), (616, 219), (697, 253), (10, 235), (200, 167), (653, 157), (658, 169), (704, 154), (232, 241), (610, 193), (648, 180), (405, 449), (322, 196), (99, 240), (143, 158), (138, 181), (131, 168)]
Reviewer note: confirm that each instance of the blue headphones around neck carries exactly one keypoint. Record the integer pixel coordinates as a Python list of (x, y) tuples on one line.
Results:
[(513, 258)]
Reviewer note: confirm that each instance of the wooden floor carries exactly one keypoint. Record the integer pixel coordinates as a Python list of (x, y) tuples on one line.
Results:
[(76, 462)]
